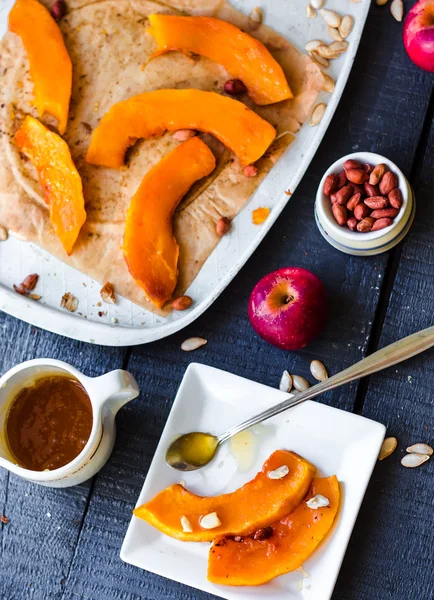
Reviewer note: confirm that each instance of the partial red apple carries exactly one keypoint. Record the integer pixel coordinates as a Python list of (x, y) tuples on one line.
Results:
[(419, 34), (288, 307)]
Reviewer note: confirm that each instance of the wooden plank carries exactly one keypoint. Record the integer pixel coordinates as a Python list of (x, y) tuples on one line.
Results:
[(38, 542), (364, 120), (391, 552)]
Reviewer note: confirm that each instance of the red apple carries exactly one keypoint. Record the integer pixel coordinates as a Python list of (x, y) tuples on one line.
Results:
[(419, 34), (288, 308)]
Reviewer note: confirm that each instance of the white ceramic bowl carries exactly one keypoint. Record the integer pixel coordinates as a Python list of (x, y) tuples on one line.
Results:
[(374, 242)]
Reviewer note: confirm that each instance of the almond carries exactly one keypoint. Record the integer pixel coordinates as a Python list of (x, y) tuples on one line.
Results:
[(376, 202), (388, 182), (186, 525), (210, 521), (382, 213), (395, 198), (377, 173), (182, 303), (381, 224), (365, 225), (278, 473), (318, 501), (357, 175), (29, 283)]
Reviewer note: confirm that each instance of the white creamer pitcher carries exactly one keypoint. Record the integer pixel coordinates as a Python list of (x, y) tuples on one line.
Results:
[(107, 395)]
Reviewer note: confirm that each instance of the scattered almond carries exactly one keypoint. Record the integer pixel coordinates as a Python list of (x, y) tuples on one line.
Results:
[(331, 17), (193, 343), (312, 45), (317, 3), (69, 302), (300, 383), (4, 519), (250, 171), (420, 449), (182, 303), (182, 135), (259, 215), (210, 521), (318, 370), (285, 384), (107, 293), (186, 525), (323, 62), (29, 283), (317, 114), (329, 83), (414, 460), (257, 16), (278, 473), (318, 501), (334, 34), (397, 9), (310, 12), (3, 234), (346, 26), (222, 226), (388, 447)]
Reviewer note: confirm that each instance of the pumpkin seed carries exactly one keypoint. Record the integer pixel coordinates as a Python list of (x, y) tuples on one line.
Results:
[(338, 46), (334, 34), (210, 521), (327, 52), (346, 26), (323, 62), (317, 3), (257, 15), (414, 460), (329, 83), (193, 343), (310, 12), (420, 449), (278, 473), (299, 382), (388, 447), (318, 370), (397, 9), (285, 382), (3, 234), (186, 525), (318, 501), (331, 17), (313, 45)]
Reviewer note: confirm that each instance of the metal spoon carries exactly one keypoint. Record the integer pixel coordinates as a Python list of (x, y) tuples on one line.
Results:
[(194, 450)]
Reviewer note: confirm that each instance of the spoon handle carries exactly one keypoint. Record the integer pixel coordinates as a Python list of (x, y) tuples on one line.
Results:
[(386, 357)]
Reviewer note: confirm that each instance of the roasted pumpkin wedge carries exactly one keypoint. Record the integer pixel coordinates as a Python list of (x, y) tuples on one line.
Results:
[(257, 504), (281, 548), (152, 113), (243, 56), (50, 65), (150, 250), (63, 190)]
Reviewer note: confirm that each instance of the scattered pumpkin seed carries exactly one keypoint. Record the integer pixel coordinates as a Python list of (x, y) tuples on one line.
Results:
[(310, 12), (312, 45), (346, 26), (3, 234), (414, 460), (300, 383), (331, 17), (329, 83), (327, 52), (318, 370), (285, 382), (338, 46), (318, 501), (317, 114), (193, 343), (257, 15), (388, 447), (317, 3), (323, 62), (397, 9), (420, 449), (334, 34)]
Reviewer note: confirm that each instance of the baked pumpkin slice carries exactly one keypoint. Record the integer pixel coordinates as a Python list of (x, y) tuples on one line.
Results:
[(150, 250), (260, 502), (151, 114), (50, 64), (243, 56), (63, 190), (278, 549)]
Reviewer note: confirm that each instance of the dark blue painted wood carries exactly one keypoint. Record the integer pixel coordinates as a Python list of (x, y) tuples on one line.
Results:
[(74, 552)]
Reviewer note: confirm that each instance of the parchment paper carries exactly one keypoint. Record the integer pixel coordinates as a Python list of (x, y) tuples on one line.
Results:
[(109, 48)]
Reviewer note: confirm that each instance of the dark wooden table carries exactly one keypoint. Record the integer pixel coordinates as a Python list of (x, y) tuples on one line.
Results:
[(64, 544)]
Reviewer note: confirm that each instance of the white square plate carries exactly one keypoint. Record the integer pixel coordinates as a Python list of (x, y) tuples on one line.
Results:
[(337, 442)]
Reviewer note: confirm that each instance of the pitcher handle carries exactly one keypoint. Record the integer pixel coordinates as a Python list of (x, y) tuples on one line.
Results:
[(113, 389)]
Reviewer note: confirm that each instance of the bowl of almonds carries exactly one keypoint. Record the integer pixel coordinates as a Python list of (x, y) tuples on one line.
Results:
[(364, 204)]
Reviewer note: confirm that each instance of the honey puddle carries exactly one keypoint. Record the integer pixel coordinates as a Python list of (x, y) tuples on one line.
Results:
[(244, 446)]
